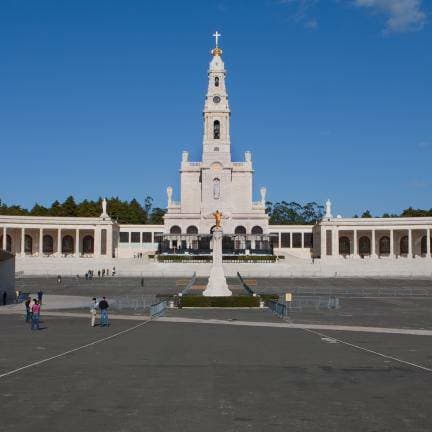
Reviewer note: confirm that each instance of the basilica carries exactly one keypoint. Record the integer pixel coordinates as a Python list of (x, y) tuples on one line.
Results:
[(216, 183)]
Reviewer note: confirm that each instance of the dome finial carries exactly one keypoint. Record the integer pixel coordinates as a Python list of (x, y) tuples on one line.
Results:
[(217, 51)]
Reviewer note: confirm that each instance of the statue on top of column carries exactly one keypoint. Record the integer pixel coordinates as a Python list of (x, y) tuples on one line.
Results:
[(218, 219), (104, 208)]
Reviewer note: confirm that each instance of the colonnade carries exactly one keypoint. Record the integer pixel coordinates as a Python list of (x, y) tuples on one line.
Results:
[(376, 242), (56, 241)]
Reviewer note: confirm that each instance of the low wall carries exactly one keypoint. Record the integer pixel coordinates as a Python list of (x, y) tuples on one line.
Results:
[(407, 267), (7, 276)]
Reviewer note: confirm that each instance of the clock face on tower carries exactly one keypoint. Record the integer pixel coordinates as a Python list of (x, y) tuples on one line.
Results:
[(216, 99)]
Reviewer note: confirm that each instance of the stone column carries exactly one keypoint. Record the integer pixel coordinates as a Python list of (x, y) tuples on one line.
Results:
[(410, 248), (373, 245), (97, 242), (280, 239), (77, 243), (40, 241), (323, 241), (4, 238), (109, 241), (355, 244), (335, 239), (428, 243), (391, 255), (22, 241), (59, 241)]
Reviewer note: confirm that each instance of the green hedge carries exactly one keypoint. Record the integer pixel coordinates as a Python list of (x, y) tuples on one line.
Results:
[(185, 258), (235, 301)]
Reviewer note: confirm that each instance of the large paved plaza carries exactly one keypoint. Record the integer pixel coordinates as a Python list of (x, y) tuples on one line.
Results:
[(193, 376)]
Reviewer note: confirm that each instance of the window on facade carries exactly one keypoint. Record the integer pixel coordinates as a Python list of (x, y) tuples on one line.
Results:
[(216, 188), (67, 244), (297, 240), (307, 240), (364, 246), (47, 244), (175, 230), (216, 129), (240, 230), (135, 237), (88, 244), (274, 239), (192, 229), (216, 81), (286, 240), (404, 245), (124, 237), (257, 230), (344, 246), (28, 244), (146, 237), (216, 149), (158, 237), (384, 245)]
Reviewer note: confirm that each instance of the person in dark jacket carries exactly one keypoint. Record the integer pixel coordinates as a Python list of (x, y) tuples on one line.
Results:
[(103, 306)]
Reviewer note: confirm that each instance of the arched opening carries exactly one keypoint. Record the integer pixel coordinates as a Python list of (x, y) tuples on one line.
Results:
[(88, 244), (364, 246), (240, 230), (404, 245), (384, 245), (423, 245), (47, 244), (28, 244), (344, 246), (216, 129), (8, 243), (175, 230), (68, 244), (216, 81), (192, 230), (257, 230), (216, 188)]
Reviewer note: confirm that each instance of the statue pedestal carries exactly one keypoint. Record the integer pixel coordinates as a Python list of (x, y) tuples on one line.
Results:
[(217, 285)]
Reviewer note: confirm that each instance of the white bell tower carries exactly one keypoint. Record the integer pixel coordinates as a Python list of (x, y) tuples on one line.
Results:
[(216, 143)]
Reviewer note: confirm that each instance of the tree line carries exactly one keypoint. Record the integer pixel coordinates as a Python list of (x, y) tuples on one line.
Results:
[(123, 211), (133, 212)]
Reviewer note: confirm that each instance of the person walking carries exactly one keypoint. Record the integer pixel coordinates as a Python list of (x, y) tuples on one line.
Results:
[(4, 298), (28, 309), (35, 315), (103, 306), (93, 311)]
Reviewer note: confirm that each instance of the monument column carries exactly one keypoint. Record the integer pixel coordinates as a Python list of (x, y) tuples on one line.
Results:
[(428, 243), (40, 241), (23, 241), (77, 243), (410, 248), (4, 239)]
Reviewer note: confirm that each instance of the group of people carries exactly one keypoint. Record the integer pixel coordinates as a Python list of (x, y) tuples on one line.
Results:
[(100, 273), (138, 255), (103, 306), (33, 309)]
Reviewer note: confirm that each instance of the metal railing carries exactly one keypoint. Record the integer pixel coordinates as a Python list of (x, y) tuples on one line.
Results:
[(281, 309), (158, 308), (190, 284), (245, 285)]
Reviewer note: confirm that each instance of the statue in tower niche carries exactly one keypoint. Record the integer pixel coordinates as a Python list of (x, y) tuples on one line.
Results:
[(218, 219)]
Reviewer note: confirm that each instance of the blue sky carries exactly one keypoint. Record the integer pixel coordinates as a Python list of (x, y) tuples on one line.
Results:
[(333, 97)]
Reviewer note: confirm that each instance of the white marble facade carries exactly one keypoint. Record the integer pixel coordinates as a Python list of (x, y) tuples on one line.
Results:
[(216, 182)]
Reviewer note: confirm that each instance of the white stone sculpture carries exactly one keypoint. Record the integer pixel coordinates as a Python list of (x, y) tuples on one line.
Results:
[(169, 191), (328, 213), (248, 156), (104, 209), (185, 156)]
